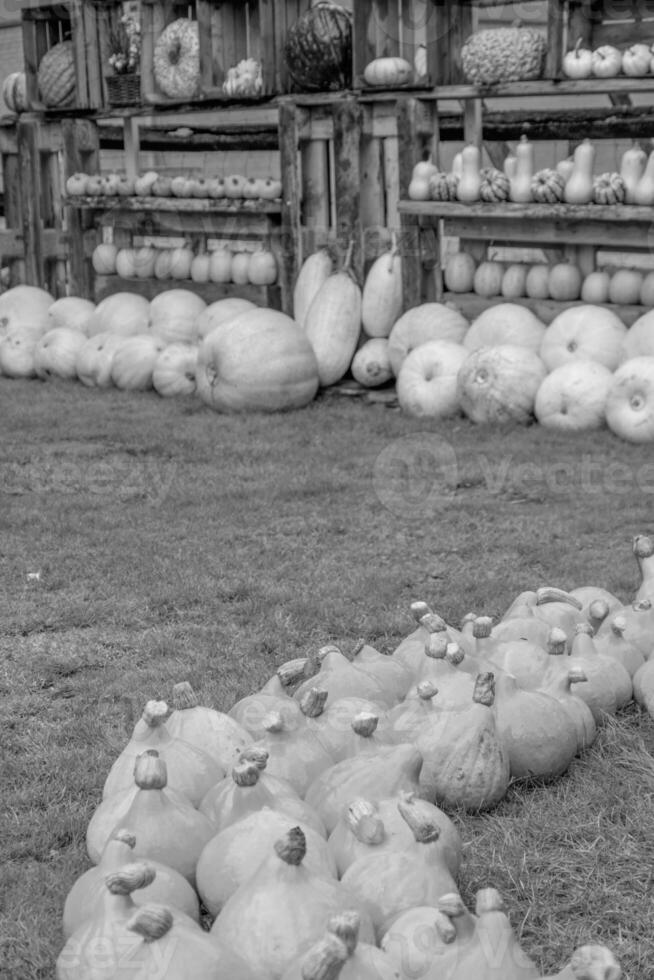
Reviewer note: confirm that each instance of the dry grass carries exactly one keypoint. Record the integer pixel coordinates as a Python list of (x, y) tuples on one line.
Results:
[(172, 543)]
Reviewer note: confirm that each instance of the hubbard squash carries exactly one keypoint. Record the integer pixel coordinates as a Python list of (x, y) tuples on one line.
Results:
[(333, 323), (381, 301)]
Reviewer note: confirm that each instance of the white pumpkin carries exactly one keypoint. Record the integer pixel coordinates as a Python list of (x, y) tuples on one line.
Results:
[(499, 384), (573, 396), (94, 359), (17, 353), (71, 311), (429, 321), (639, 338), (27, 307), (630, 401), (134, 360), (173, 315), (174, 370), (220, 312), (427, 382), (333, 325), (371, 365), (381, 301), (122, 313), (584, 332), (505, 323), (55, 353)]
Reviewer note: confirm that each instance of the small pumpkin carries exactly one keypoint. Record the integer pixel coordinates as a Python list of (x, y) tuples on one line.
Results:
[(14, 91), (495, 185), (389, 72), (547, 186), (609, 188), (56, 75), (443, 186)]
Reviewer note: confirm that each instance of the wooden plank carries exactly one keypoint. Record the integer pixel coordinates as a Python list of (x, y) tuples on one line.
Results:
[(391, 182), (211, 291), (538, 231), (30, 185), (80, 53), (412, 271), (13, 208), (248, 212), (11, 243), (472, 305), (347, 140), (31, 57), (291, 255), (372, 204), (212, 70), (611, 214), (80, 154)]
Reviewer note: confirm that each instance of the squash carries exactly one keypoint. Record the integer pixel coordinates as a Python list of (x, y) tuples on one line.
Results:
[(487, 280), (340, 948), (104, 259), (595, 287), (625, 286), (371, 365), (632, 167), (469, 184), (440, 187), (173, 374), (173, 316), (260, 360), (499, 384), (514, 280), (547, 186), (503, 54), (220, 312), (55, 353), (333, 323), (17, 353), (537, 281), (639, 339), (134, 360), (313, 272), (584, 332), (579, 187), (520, 184), (176, 59), (643, 192), (459, 272), (564, 281), (429, 321), (609, 188), (14, 91), (94, 360), (630, 401), (318, 48), (209, 730), (262, 268), (495, 185), (381, 299), (123, 313), (427, 380), (388, 72), (573, 396), (56, 76)]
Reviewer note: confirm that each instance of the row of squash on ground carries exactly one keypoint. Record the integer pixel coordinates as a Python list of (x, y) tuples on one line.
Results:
[(328, 851), (581, 370)]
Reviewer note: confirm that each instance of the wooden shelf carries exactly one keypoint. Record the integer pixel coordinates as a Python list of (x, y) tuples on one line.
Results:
[(269, 296), (189, 205), (507, 209), (621, 85), (471, 305)]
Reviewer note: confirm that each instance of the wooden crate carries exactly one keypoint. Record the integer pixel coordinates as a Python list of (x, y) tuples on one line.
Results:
[(88, 24), (615, 22), (229, 32), (399, 28)]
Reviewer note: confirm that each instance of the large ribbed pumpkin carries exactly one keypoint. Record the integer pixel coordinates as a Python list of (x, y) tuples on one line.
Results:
[(259, 361), (56, 75), (318, 50)]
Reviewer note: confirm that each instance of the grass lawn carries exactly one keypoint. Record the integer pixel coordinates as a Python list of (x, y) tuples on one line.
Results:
[(147, 541)]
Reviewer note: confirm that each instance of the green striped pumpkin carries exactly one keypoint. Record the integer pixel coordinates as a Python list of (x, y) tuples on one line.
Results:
[(56, 75), (318, 49)]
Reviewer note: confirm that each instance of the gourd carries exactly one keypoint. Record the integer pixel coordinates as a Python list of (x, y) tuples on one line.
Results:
[(442, 186), (427, 381), (609, 188), (173, 315), (282, 908), (428, 321), (341, 950), (318, 48), (388, 72), (630, 401), (547, 186), (505, 323), (381, 299), (573, 396), (499, 384), (562, 684), (584, 332), (14, 91), (294, 754), (342, 678), (176, 60), (493, 931), (494, 186), (333, 322), (470, 180), (173, 374), (579, 185), (94, 360), (314, 271), (234, 853), (371, 365), (520, 182), (55, 353), (209, 730), (632, 167), (387, 672), (465, 762), (260, 360), (425, 935), (643, 192), (56, 75), (613, 643)]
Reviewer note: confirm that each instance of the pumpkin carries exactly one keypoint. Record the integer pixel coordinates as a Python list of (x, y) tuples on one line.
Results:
[(499, 384), (240, 272), (104, 259), (427, 380), (56, 75), (505, 323), (173, 315), (537, 281), (126, 263), (547, 186), (583, 332), (630, 401), (71, 311), (371, 365), (314, 271), (514, 280), (487, 280), (494, 185), (17, 353), (262, 268), (94, 359), (220, 312), (595, 287), (14, 91), (441, 187), (318, 48), (503, 54), (388, 72), (564, 282), (381, 299), (176, 59), (625, 286), (55, 353), (333, 323), (123, 313), (429, 321), (259, 361), (340, 949), (459, 272), (573, 396), (609, 188), (133, 362), (639, 338), (25, 307), (173, 373)]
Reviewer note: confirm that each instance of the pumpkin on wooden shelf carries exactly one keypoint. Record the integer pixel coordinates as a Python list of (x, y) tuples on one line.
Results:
[(104, 259), (487, 279), (503, 54), (318, 48), (177, 59), (442, 186), (609, 188), (547, 186), (625, 286), (56, 76), (389, 72), (494, 185), (459, 272), (14, 91)]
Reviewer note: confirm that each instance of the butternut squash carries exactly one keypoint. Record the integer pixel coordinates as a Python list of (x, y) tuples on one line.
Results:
[(520, 181), (470, 180), (579, 185)]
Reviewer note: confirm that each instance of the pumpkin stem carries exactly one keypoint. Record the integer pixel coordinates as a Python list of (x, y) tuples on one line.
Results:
[(258, 756), (246, 774), (452, 905), (184, 696), (151, 922), (292, 847), (433, 622), (292, 671), (426, 690), (454, 654), (130, 877), (550, 594), (482, 627), (419, 609), (150, 772), (312, 704), (488, 900), (124, 836), (365, 724), (643, 546), (365, 823), (436, 646), (444, 927), (419, 816), (484, 689), (346, 926), (155, 713), (325, 959), (597, 613), (618, 625), (556, 641)]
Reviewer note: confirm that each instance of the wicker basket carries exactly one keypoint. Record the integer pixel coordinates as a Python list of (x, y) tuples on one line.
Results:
[(124, 89)]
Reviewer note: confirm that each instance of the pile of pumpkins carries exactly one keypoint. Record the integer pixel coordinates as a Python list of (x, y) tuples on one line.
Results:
[(221, 265), (571, 181), (232, 187), (561, 281), (608, 61), (313, 820)]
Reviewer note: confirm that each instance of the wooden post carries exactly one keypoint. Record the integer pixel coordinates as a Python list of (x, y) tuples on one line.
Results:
[(13, 203), (410, 144), (347, 141), (291, 254), (30, 190), (80, 154)]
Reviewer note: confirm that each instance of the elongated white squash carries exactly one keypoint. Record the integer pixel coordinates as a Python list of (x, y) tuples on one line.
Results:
[(371, 364), (333, 323), (315, 270), (381, 302)]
